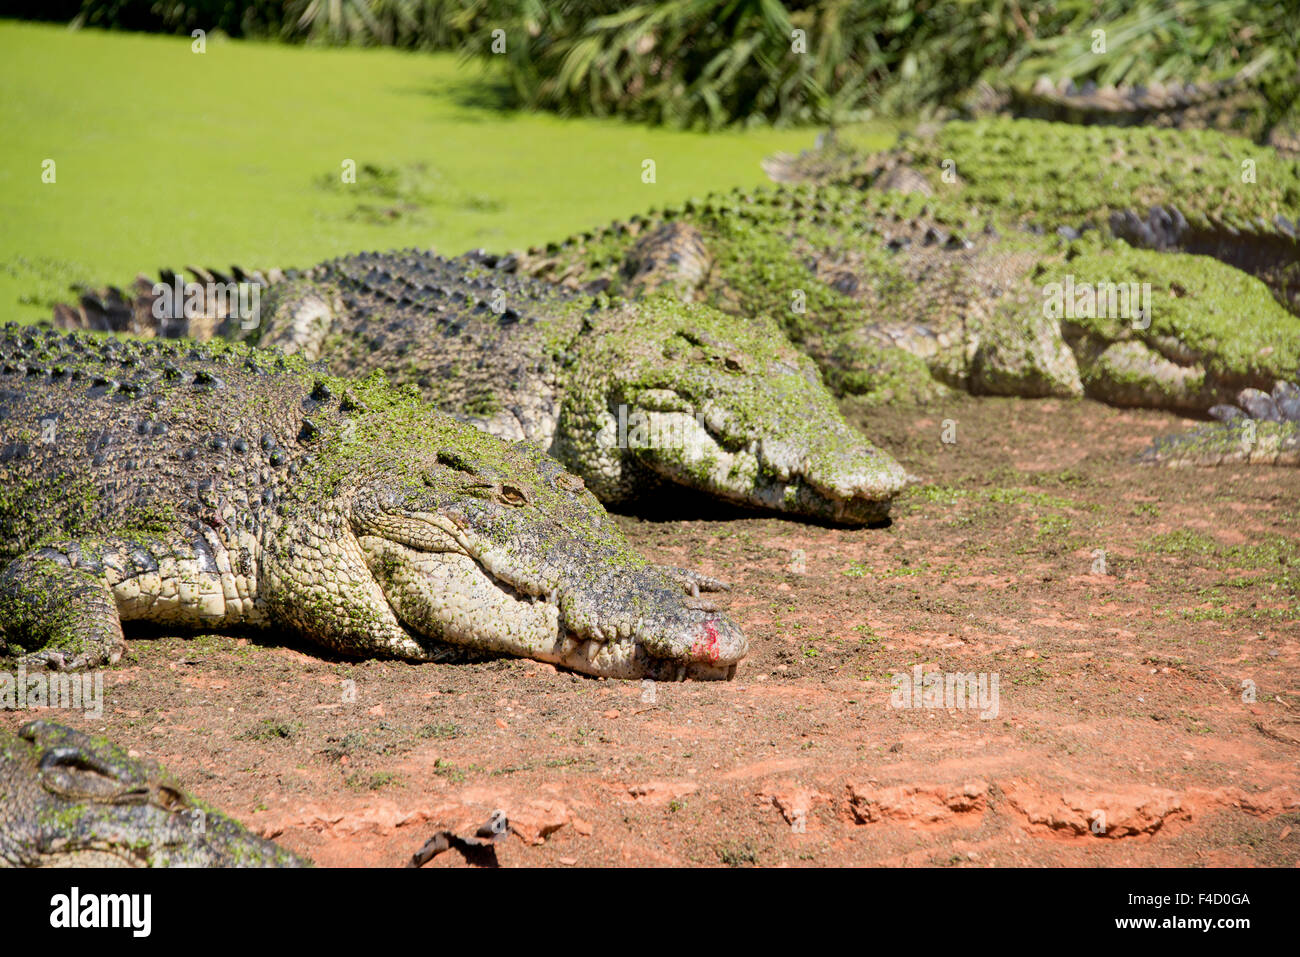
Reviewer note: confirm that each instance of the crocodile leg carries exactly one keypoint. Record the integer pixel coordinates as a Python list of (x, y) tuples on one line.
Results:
[(674, 257), (321, 586), (67, 612)]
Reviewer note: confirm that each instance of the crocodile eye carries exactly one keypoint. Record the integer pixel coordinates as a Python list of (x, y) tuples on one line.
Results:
[(514, 495), (79, 774), (170, 799)]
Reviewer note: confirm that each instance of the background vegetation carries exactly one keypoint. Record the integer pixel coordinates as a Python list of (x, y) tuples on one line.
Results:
[(710, 63)]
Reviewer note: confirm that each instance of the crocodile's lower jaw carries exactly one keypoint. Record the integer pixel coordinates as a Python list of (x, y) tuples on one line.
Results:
[(449, 597), (773, 474), (796, 498), (623, 659), (802, 499)]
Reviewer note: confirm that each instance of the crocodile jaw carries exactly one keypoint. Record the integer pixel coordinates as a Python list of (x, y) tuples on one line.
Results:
[(450, 596), (845, 482)]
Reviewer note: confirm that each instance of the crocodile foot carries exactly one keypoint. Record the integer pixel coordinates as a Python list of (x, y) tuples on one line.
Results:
[(103, 652), (65, 610), (1283, 405)]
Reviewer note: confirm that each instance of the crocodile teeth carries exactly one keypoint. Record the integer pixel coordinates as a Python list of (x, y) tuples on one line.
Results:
[(570, 646), (591, 649)]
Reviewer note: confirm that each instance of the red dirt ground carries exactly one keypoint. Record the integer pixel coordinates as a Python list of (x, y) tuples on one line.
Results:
[(1123, 733)]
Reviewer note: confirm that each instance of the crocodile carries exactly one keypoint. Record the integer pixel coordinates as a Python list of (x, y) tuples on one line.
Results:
[(216, 487), (1193, 191), (1257, 101), (1259, 427), (69, 799), (646, 401), (899, 295)]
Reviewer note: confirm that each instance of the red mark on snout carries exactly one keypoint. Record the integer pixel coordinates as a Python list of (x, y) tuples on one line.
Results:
[(707, 648)]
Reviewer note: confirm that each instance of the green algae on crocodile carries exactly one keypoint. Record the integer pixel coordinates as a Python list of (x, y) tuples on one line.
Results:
[(901, 295), (1258, 101), (1197, 191), (1065, 173), (69, 799), (346, 512), (690, 400), (1208, 330)]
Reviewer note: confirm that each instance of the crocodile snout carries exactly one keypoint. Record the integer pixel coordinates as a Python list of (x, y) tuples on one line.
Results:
[(644, 625), (837, 477), (703, 644)]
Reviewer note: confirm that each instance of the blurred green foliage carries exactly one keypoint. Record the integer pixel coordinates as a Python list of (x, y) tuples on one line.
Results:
[(712, 63)]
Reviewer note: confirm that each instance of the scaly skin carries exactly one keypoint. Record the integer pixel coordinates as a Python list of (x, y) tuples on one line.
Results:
[(917, 284), (71, 800), (1256, 101), (211, 487), (904, 295), (1194, 191), (1261, 428), (726, 408)]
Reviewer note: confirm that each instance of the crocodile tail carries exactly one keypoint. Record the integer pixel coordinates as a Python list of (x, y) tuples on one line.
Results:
[(1284, 137), (210, 304), (828, 162), (983, 99), (844, 166), (673, 256), (782, 168), (1234, 104)]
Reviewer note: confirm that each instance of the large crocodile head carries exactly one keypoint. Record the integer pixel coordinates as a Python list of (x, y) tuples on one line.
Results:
[(680, 394), (488, 545), (71, 800)]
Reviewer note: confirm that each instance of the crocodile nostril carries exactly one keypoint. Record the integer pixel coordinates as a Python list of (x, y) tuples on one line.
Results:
[(454, 460), (568, 482)]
